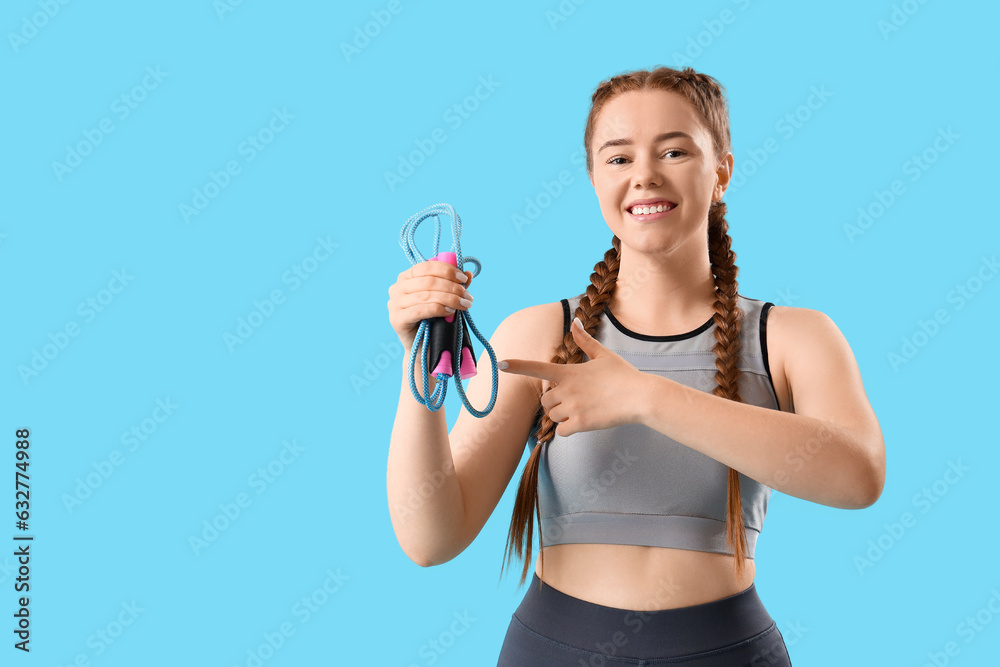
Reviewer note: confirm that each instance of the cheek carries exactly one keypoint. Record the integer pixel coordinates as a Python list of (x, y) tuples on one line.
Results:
[(610, 196)]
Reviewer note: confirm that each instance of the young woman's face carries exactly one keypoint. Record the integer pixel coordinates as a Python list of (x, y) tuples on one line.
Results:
[(650, 145)]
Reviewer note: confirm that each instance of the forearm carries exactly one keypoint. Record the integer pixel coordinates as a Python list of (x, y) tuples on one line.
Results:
[(425, 500), (801, 456)]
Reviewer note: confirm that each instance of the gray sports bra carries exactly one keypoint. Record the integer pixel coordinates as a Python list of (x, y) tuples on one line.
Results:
[(633, 485)]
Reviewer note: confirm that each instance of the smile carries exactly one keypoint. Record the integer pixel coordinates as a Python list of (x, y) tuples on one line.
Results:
[(651, 212)]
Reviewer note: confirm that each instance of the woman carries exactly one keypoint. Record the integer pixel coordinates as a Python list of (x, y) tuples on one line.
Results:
[(658, 427)]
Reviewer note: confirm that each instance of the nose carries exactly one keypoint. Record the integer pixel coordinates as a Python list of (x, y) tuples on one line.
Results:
[(645, 173)]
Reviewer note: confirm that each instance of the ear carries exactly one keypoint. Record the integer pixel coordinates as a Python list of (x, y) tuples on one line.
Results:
[(724, 174)]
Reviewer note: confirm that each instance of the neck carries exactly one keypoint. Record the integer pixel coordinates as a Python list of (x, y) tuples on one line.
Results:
[(664, 294)]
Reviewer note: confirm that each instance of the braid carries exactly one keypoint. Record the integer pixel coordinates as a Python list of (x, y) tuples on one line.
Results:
[(592, 304), (728, 321)]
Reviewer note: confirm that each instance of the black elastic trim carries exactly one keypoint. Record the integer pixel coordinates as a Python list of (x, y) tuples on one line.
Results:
[(566, 318), (632, 334), (763, 348)]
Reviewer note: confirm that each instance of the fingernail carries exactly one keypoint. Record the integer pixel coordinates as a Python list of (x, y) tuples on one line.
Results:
[(461, 276), (502, 365), (576, 320)]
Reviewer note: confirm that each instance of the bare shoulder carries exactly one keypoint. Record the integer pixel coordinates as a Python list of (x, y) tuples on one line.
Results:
[(789, 319), (816, 362), (801, 329), (542, 316), (794, 337), (533, 333)]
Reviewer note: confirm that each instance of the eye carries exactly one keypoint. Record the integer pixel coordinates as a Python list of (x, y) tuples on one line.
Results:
[(621, 157)]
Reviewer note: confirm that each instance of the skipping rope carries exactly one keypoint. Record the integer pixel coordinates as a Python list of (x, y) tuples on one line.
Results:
[(448, 340)]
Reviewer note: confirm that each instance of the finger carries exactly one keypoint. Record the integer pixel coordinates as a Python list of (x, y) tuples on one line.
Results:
[(537, 369), (424, 305), (468, 281), (590, 345), (433, 283), (550, 400), (433, 267), (563, 428)]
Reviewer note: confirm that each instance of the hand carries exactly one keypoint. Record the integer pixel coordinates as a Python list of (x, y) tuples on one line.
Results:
[(425, 290), (600, 393)]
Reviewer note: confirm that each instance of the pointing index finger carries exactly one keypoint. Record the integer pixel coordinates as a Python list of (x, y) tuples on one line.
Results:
[(537, 369)]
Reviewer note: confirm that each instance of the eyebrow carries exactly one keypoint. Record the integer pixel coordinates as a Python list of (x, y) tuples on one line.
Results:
[(657, 139)]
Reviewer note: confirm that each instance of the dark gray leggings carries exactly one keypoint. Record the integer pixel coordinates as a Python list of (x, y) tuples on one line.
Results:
[(552, 629)]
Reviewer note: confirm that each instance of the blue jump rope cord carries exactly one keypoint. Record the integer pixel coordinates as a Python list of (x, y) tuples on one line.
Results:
[(406, 242)]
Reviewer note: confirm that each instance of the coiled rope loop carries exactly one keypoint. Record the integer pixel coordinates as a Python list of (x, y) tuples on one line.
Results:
[(448, 329)]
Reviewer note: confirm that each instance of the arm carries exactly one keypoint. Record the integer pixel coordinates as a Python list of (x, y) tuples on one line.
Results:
[(419, 449), (442, 487), (829, 451)]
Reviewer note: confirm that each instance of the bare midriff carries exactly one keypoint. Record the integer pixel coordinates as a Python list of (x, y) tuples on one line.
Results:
[(642, 578)]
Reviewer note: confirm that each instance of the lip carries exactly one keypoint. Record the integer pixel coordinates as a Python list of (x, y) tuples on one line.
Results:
[(652, 216), (647, 202)]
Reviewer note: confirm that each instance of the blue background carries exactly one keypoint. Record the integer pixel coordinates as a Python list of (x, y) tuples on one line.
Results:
[(350, 117)]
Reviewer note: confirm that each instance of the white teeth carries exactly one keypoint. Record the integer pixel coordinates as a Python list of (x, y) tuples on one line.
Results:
[(646, 210)]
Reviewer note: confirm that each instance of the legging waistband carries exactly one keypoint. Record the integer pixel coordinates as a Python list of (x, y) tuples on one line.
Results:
[(681, 630)]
